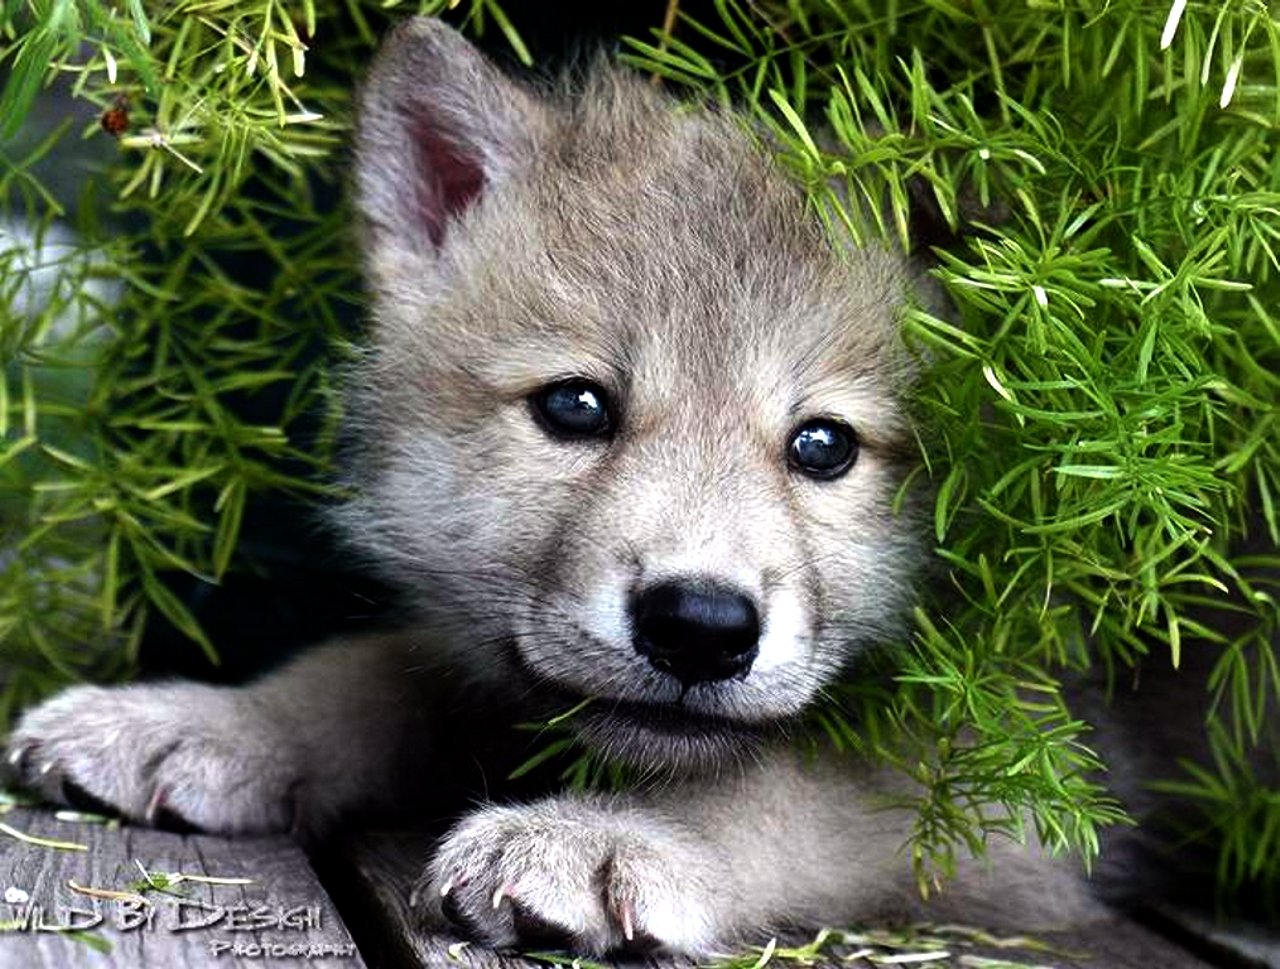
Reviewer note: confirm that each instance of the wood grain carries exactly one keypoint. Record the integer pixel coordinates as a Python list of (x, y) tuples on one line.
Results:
[(282, 882), (369, 877)]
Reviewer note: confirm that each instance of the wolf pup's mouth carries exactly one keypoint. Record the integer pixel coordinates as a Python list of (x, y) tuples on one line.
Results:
[(656, 735)]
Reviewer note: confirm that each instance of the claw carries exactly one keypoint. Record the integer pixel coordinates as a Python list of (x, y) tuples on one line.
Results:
[(504, 891), (156, 804), (456, 880), (627, 917), (160, 815), (16, 755)]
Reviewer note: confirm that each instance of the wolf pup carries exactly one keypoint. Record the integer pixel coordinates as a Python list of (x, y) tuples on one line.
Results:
[(630, 429)]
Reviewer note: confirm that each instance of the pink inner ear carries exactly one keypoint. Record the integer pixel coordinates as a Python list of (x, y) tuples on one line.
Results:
[(450, 178)]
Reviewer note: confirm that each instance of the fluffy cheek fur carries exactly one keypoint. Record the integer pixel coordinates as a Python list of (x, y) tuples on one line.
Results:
[(459, 514), (866, 555)]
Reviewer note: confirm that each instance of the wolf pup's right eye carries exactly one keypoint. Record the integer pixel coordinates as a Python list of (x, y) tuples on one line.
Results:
[(573, 409)]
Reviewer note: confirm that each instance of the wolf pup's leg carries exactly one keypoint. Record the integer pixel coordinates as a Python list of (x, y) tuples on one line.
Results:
[(689, 869), (307, 742), (698, 866)]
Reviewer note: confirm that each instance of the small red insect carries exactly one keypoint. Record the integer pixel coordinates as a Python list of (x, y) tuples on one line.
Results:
[(115, 120)]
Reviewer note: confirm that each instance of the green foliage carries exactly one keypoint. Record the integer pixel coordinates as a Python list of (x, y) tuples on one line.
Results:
[(579, 769), (208, 277), (1098, 419)]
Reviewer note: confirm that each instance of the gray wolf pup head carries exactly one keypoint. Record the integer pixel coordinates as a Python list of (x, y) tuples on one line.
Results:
[(630, 424)]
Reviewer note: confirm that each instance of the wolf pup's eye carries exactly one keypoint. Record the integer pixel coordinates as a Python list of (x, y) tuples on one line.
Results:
[(823, 448), (574, 408)]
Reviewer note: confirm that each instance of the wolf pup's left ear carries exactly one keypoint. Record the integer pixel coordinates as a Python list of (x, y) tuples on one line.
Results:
[(439, 126)]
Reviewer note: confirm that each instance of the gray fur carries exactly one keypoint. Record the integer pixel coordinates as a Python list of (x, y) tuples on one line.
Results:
[(657, 249)]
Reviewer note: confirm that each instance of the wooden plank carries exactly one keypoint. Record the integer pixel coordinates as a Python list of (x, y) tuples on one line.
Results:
[(371, 876), (378, 870), (282, 911)]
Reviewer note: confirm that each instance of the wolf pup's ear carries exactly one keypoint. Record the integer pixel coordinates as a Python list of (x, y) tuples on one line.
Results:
[(439, 126)]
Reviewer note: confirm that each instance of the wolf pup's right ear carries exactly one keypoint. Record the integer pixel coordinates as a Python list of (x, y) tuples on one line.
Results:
[(439, 126)]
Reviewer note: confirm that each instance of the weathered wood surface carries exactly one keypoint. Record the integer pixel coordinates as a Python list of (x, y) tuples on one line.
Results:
[(378, 871), (201, 927), (368, 879)]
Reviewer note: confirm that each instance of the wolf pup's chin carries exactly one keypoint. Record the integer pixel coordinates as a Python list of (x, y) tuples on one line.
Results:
[(629, 427), (677, 729)]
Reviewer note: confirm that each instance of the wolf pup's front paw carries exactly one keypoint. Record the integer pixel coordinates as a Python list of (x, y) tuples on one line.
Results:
[(578, 874), (174, 755)]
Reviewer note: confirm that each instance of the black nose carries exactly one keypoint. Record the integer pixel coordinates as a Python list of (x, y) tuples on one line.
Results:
[(697, 633)]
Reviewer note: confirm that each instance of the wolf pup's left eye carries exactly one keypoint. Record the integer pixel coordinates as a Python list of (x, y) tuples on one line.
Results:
[(574, 408), (823, 448)]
